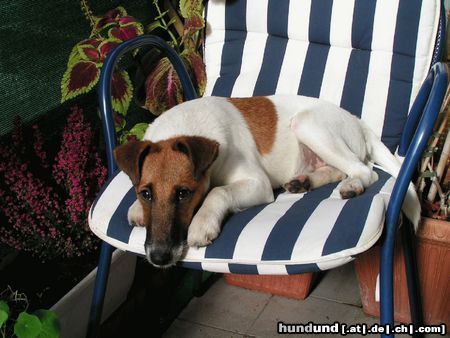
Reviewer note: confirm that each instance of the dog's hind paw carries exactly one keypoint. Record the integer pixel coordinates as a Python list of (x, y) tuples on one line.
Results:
[(351, 187), (298, 184)]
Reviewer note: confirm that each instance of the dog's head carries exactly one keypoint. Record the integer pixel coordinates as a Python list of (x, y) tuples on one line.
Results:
[(171, 178)]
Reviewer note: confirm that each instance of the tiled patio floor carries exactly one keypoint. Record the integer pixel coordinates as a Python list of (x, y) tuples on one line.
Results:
[(229, 311)]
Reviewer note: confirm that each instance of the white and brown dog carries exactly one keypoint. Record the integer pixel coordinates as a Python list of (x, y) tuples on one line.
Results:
[(242, 148)]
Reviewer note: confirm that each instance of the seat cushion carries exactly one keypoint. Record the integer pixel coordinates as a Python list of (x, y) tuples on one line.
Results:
[(369, 57), (296, 233)]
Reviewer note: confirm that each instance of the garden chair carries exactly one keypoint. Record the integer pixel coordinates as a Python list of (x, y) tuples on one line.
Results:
[(377, 59)]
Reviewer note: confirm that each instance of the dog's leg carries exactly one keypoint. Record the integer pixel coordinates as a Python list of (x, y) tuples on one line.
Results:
[(317, 178), (244, 193), (329, 145), (136, 214)]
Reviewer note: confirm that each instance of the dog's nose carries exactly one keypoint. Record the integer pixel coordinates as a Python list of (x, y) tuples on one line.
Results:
[(161, 256)]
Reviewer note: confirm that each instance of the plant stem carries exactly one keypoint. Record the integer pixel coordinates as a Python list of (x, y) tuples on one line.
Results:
[(165, 26), (88, 14)]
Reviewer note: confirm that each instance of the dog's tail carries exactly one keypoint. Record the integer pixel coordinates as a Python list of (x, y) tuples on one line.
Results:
[(381, 155)]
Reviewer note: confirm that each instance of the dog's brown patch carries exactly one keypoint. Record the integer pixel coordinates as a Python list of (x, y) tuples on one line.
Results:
[(261, 117), (179, 163)]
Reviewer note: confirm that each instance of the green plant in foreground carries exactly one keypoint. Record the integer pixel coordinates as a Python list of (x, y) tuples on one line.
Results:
[(15, 321)]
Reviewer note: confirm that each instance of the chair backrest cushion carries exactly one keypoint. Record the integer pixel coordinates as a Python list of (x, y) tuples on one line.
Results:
[(368, 57)]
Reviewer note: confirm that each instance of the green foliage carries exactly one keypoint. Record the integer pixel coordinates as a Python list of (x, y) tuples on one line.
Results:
[(87, 57), (163, 90), (4, 313), (27, 326), (135, 133), (163, 86), (15, 320)]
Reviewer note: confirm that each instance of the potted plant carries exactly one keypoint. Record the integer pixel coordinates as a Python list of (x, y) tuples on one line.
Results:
[(432, 240)]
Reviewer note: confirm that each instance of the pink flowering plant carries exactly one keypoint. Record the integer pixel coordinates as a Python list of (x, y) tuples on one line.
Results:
[(45, 204)]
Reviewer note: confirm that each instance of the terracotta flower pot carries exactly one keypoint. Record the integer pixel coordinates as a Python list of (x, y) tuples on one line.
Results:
[(433, 259), (295, 286)]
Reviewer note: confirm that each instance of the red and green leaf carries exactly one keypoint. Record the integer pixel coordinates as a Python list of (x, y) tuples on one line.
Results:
[(119, 122), (196, 66), (89, 53), (78, 79), (163, 88), (193, 24), (106, 47), (126, 32), (122, 91), (111, 17)]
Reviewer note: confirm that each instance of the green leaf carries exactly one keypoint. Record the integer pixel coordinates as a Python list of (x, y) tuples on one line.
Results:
[(189, 8), (139, 130), (153, 26), (161, 15), (4, 313), (134, 134), (27, 326), (50, 324), (74, 56)]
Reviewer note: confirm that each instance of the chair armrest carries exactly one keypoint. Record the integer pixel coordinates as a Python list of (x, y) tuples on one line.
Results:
[(426, 107), (104, 89)]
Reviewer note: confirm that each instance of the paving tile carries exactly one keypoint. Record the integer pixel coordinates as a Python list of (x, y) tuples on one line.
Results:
[(226, 307), (185, 329), (310, 310), (339, 285)]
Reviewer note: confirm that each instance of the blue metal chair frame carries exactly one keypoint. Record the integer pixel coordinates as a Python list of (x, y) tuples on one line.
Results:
[(104, 92), (417, 131)]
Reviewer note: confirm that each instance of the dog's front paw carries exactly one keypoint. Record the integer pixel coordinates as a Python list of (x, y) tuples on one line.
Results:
[(202, 231), (136, 214)]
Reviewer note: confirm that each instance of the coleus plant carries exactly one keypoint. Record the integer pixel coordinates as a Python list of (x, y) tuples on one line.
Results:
[(87, 57), (162, 88)]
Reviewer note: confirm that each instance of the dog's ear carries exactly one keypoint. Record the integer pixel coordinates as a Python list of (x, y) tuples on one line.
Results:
[(130, 157), (201, 150)]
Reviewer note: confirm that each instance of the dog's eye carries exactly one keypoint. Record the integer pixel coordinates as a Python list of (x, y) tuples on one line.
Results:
[(183, 193), (146, 194)]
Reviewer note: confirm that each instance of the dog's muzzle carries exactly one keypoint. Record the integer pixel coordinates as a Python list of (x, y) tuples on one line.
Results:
[(163, 256)]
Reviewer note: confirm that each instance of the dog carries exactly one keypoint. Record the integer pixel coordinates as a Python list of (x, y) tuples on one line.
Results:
[(212, 156)]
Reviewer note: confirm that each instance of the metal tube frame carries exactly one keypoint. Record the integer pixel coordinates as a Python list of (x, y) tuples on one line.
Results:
[(417, 130), (104, 93)]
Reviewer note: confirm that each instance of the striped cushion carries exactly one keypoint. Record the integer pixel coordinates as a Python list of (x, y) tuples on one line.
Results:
[(369, 57), (296, 233)]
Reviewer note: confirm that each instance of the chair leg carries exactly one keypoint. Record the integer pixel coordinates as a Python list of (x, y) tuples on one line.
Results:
[(201, 285), (410, 257), (98, 296), (387, 281)]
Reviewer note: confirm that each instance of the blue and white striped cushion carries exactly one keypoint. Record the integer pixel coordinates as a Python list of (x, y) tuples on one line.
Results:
[(369, 57), (297, 233)]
